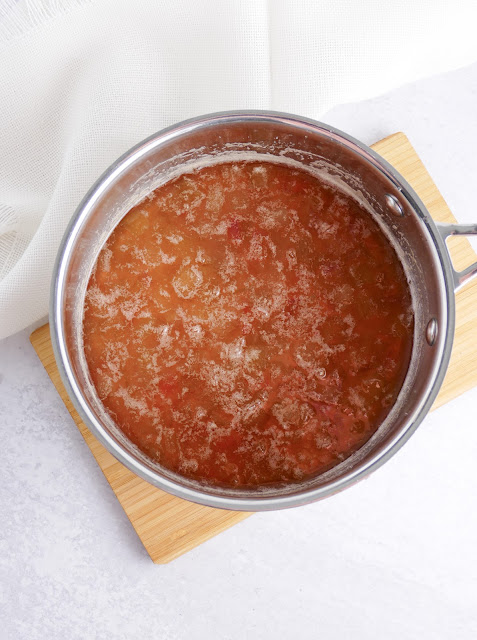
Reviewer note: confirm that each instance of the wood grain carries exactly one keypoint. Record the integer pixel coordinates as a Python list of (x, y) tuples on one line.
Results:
[(169, 526)]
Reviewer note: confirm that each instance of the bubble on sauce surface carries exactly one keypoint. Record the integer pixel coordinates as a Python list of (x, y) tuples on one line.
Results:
[(187, 281), (244, 340)]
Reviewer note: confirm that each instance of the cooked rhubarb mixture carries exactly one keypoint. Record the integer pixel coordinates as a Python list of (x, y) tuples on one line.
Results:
[(247, 324)]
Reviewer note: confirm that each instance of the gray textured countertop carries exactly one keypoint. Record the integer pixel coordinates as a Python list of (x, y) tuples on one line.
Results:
[(393, 557)]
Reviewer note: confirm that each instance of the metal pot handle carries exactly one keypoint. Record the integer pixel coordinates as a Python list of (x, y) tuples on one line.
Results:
[(446, 230)]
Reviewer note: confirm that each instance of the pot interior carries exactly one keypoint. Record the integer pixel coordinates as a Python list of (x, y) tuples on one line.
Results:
[(314, 148)]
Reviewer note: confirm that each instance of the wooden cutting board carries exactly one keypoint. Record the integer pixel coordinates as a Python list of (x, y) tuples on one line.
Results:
[(169, 526)]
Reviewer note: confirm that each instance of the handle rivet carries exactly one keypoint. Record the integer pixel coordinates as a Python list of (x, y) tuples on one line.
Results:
[(394, 204), (431, 331)]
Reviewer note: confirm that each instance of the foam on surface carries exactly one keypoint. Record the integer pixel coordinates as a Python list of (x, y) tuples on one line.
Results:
[(239, 316)]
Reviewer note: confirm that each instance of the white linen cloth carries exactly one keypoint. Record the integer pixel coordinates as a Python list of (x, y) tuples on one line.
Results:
[(83, 80)]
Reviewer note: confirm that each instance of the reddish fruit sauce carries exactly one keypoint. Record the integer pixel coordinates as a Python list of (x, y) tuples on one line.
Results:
[(247, 324)]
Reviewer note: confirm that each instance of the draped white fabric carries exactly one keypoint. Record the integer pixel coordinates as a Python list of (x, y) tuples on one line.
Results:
[(83, 80)]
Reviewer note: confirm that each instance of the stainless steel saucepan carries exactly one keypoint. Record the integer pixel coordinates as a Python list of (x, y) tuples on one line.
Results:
[(419, 242)]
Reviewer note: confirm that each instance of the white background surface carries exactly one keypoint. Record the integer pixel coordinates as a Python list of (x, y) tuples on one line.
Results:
[(394, 557)]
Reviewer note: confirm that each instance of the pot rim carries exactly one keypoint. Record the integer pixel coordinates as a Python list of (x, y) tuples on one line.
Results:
[(258, 503)]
